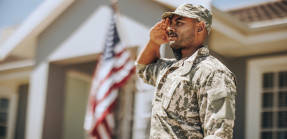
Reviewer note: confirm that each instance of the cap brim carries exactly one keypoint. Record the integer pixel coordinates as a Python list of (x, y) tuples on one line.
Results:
[(171, 14), (167, 14)]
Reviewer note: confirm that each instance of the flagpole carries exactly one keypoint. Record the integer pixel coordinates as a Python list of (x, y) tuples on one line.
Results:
[(122, 31), (120, 28)]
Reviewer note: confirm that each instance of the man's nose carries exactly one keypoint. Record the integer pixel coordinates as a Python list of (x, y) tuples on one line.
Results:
[(170, 29)]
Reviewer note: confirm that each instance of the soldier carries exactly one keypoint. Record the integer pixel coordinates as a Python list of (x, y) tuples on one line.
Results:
[(195, 93)]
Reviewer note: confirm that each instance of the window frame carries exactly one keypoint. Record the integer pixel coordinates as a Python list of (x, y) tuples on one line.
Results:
[(255, 69), (10, 93)]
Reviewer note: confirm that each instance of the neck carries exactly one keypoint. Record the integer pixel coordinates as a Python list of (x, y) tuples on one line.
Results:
[(189, 51)]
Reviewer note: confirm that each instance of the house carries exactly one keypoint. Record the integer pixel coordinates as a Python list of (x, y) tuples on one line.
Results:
[(48, 60), (255, 47)]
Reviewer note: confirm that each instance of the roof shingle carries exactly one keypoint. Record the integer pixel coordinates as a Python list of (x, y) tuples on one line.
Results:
[(261, 12)]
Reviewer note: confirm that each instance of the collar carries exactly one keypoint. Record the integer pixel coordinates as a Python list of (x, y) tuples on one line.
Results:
[(186, 64)]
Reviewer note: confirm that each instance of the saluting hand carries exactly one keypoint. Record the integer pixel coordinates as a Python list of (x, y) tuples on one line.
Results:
[(159, 33)]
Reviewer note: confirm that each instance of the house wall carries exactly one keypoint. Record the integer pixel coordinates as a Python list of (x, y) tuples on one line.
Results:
[(54, 107)]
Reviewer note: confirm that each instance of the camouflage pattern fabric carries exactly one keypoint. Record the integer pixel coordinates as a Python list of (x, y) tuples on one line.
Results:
[(193, 11), (194, 97)]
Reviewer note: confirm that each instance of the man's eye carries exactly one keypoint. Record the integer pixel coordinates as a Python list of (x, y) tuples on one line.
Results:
[(179, 23)]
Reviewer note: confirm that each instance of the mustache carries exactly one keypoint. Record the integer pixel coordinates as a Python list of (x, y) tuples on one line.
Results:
[(172, 34)]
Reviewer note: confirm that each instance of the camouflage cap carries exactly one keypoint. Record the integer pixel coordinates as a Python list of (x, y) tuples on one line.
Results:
[(193, 11)]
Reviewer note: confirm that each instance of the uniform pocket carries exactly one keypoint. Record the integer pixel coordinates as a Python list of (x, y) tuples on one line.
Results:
[(168, 94), (222, 101)]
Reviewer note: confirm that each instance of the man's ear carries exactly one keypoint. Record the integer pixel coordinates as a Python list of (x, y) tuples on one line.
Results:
[(200, 26)]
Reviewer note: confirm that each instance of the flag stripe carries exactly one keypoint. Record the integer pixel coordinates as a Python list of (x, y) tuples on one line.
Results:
[(114, 79), (113, 86), (118, 84), (104, 114), (103, 132), (103, 106), (107, 127), (110, 96), (114, 72), (111, 120), (96, 134)]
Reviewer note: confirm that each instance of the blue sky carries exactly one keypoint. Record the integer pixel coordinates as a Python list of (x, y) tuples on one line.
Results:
[(13, 12), (220, 4), (229, 4)]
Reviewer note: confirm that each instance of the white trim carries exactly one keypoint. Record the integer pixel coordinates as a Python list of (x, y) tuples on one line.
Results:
[(255, 68), (37, 102), (21, 76), (249, 39), (16, 65), (274, 22), (44, 15), (79, 75)]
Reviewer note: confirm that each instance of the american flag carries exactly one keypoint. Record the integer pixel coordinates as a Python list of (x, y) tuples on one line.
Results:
[(112, 71)]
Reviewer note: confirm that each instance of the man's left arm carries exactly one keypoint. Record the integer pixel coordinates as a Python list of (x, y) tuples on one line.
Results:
[(217, 105)]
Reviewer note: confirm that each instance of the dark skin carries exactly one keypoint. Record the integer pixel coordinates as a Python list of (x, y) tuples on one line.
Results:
[(185, 35)]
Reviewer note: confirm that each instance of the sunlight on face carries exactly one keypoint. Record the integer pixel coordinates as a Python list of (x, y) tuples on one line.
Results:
[(181, 32)]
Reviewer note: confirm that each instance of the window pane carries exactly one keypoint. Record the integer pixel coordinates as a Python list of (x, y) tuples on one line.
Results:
[(2, 131), (283, 79), (267, 118), (268, 80), (4, 103), (266, 135), (282, 119), (267, 100), (282, 99), (282, 135), (3, 117)]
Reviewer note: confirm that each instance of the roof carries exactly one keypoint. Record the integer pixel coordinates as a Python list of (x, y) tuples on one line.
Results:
[(261, 12), (232, 37), (40, 19)]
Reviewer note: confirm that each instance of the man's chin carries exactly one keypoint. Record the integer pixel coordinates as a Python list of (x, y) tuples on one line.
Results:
[(173, 45)]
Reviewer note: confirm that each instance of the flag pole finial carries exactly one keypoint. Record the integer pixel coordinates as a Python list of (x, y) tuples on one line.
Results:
[(114, 4)]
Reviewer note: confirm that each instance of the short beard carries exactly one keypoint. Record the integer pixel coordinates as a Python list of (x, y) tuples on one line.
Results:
[(185, 40), (175, 45), (177, 53)]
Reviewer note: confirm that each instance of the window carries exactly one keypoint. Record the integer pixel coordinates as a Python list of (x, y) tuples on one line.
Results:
[(4, 105), (266, 98), (274, 105)]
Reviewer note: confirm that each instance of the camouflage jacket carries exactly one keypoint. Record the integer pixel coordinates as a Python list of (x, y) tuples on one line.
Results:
[(194, 97)]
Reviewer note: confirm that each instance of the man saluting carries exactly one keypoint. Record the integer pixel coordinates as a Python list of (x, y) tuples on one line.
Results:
[(195, 93)]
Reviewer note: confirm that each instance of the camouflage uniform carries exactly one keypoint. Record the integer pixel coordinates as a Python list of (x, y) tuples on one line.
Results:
[(194, 98)]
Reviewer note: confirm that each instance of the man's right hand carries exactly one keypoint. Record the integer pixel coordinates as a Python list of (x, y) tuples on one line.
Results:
[(158, 36), (158, 33)]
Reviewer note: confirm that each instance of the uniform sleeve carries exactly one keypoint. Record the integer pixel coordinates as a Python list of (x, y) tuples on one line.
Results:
[(217, 105), (150, 72)]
